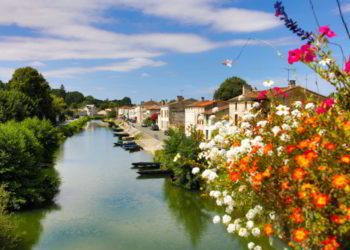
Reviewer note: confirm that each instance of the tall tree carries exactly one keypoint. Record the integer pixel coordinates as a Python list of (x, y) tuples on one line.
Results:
[(31, 83), (74, 98), (230, 88), (15, 105)]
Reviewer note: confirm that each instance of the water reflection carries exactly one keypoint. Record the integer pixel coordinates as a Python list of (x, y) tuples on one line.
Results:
[(189, 209), (29, 226)]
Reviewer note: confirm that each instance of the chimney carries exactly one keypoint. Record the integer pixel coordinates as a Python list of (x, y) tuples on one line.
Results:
[(202, 99), (246, 89), (180, 98), (292, 83)]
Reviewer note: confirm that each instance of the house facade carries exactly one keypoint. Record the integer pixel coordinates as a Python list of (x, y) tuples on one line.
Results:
[(90, 110), (203, 114), (172, 114)]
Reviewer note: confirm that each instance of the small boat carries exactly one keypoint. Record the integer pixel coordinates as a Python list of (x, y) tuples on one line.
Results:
[(118, 130), (128, 138), (120, 135), (136, 164), (155, 172), (145, 167)]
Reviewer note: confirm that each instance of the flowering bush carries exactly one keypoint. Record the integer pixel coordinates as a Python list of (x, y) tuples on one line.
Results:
[(287, 171)]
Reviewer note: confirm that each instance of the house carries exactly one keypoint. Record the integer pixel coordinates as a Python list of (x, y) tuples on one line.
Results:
[(202, 115), (293, 92), (90, 109), (123, 112), (172, 114), (144, 110)]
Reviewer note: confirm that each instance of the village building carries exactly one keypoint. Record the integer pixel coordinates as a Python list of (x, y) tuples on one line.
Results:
[(202, 115), (172, 114), (124, 112), (245, 102), (145, 110), (90, 110)]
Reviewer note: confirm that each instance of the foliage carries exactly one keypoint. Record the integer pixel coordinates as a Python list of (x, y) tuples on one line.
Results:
[(8, 237), (148, 122), (31, 83), (180, 154), (75, 126), (14, 105), (289, 171), (112, 114), (61, 92), (29, 182), (59, 107), (74, 98), (154, 117), (230, 88)]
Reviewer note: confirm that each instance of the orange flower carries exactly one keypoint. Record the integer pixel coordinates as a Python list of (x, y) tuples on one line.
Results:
[(302, 194), (268, 229), (257, 179), (235, 176), (337, 219), (284, 169), (321, 200), (347, 125), (330, 243), (345, 159), (304, 144), (285, 185), (302, 161), (268, 148), (330, 146), (300, 234), (340, 181), (297, 216), (290, 148), (301, 130), (310, 154), (322, 168), (298, 174), (267, 172)]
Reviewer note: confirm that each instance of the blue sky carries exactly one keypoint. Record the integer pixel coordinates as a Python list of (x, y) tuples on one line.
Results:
[(156, 48)]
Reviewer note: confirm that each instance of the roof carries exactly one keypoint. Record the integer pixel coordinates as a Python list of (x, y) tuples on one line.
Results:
[(185, 102), (254, 95), (149, 103), (219, 109), (153, 107), (201, 104)]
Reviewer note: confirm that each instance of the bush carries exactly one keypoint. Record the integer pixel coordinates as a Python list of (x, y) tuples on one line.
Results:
[(180, 154), (28, 182), (73, 127), (8, 237)]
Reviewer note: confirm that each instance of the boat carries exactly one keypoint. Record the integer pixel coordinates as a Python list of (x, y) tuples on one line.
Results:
[(145, 167), (120, 135), (118, 130), (156, 164), (155, 172), (128, 138)]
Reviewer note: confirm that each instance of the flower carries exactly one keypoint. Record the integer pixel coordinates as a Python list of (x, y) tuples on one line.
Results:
[(340, 181), (195, 170), (251, 245), (347, 66), (325, 106), (330, 243), (268, 229), (325, 30), (216, 219), (308, 53), (250, 224), (294, 56), (321, 200), (263, 94), (324, 62), (345, 159), (256, 232), (298, 174), (226, 219), (243, 232), (297, 216), (268, 83), (300, 234), (231, 228), (257, 247), (309, 106)]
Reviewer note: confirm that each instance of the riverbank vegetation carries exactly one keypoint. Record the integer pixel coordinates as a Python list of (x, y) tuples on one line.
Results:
[(180, 154)]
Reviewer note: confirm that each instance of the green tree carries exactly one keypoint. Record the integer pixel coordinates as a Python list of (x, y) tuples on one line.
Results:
[(2, 85), (61, 92), (230, 88), (112, 114), (74, 98), (31, 83), (59, 107), (15, 105)]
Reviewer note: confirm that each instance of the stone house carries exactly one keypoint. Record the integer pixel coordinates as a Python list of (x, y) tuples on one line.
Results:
[(172, 114)]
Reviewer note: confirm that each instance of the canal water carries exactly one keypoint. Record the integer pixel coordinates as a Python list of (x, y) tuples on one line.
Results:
[(103, 205)]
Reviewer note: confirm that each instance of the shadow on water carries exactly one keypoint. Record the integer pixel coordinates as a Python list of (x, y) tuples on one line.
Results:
[(189, 209), (29, 226)]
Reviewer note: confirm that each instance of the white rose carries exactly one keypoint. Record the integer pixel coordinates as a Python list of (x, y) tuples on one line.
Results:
[(251, 245), (243, 232), (256, 231), (195, 170), (216, 219), (226, 219), (250, 224)]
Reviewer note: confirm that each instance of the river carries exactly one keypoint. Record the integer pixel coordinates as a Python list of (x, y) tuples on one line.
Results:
[(103, 205)]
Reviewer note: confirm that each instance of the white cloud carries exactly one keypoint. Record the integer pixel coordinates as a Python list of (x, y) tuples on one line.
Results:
[(345, 8), (6, 74), (132, 64), (145, 74), (37, 64), (66, 29)]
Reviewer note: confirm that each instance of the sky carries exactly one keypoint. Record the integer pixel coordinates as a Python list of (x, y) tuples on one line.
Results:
[(158, 49)]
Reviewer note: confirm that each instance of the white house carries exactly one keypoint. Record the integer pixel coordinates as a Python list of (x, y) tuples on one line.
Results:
[(90, 109), (203, 114)]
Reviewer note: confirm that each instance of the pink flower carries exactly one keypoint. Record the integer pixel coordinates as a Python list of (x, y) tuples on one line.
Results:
[(308, 53), (262, 94), (325, 106), (294, 56), (279, 91), (325, 30), (347, 67)]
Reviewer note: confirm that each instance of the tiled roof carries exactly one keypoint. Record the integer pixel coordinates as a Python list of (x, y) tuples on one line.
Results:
[(219, 109), (201, 104)]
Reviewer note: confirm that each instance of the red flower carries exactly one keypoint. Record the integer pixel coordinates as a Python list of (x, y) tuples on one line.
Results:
[(337, 219), (325, 30), (279, 91), (290, 148), (345, 159), (330, 243), (297, 216), (235, 176), (340, 181), (298, 174), (325, 106), (294, 56)]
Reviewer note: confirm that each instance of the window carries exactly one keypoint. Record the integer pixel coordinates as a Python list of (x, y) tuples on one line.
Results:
[(236, 106), (245, 105), (236, 119)]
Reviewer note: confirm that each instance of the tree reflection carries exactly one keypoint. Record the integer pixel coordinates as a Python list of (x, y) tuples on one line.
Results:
[(29, 226), (189, 209)]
